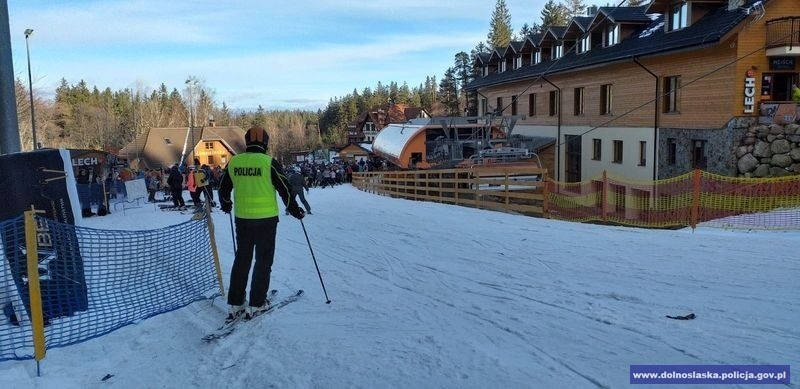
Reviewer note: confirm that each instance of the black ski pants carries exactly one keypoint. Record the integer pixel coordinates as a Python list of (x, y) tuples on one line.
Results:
[(253, 235)]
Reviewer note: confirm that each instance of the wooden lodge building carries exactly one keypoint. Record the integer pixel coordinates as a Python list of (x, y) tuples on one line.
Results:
[(648, 92), (163, 147), (366, 126)]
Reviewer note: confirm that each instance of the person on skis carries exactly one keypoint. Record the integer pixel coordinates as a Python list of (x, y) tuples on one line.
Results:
[(254, 177)]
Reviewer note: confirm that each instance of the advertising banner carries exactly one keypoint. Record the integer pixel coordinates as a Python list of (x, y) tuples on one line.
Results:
[(43, 179)]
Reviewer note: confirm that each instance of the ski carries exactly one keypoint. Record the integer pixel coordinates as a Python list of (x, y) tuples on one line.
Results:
[(226, 328), (229, 328)]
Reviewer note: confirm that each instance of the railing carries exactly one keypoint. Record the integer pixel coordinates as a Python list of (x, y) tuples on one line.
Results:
[(503, 188), (688, 200), (783, 32)]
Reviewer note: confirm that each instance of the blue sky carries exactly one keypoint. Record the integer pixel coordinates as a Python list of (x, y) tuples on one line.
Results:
[(278, 54)]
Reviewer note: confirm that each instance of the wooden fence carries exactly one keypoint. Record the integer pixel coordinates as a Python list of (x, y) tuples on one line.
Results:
[(686, 200), (503, 188)]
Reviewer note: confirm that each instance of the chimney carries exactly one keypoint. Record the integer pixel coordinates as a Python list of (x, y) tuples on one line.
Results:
[(734, 4), (211, 122), (591, 10)]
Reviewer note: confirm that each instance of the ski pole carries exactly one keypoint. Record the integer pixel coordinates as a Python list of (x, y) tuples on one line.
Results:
[(233, 237), (315, 263)]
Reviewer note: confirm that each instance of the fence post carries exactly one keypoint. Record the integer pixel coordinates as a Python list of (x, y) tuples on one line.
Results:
[(604, 196), (695, 198), (214, 251), (34, 289), (477, 183), (545, 202), (506, 191)]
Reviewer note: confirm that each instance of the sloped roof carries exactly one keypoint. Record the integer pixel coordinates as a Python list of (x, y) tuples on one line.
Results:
[(483, 58), (705, 32), (391, 141), (553, 33), (625, 14), (165, 145)]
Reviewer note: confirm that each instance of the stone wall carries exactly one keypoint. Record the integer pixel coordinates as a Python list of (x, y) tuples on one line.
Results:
[(720, 144), (769, 151)]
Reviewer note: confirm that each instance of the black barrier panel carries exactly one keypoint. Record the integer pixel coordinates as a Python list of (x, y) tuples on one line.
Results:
[(39, 179)]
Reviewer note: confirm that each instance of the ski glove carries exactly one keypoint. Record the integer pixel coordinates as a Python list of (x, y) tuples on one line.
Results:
[(296, 211), (226, 206)]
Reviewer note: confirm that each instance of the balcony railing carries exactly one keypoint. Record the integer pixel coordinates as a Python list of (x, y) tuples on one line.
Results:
[(784, 32)]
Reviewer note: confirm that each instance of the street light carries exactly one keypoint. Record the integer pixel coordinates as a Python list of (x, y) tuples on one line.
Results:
[(28, 33), (191, 83)]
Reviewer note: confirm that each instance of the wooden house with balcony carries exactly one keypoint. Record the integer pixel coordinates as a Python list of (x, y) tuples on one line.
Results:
[(164, 147), (369, 123), (654, 91)]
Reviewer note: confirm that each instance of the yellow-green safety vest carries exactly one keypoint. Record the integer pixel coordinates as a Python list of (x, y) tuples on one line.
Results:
[(253, 191)]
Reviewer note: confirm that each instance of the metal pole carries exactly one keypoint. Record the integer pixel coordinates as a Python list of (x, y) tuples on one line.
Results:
[(9, 127), (28, 33), (327, 300), (233, 237)]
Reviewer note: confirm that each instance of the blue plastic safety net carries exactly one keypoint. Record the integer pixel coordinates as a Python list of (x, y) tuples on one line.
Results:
[(95, 281)]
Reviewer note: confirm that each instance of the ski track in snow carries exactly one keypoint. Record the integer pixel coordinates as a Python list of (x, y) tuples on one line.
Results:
[(443, 296)]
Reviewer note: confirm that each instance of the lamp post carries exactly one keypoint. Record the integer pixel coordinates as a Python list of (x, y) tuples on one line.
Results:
[(191, 82), (28, 33)]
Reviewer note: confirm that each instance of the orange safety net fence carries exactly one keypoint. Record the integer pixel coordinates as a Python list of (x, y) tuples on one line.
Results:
[(687, 200)]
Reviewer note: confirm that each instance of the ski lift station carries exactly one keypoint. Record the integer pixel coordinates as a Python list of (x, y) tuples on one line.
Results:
[(449, 141)]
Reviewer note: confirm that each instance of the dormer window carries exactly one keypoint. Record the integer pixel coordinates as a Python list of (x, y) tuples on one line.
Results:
[(584, 44), (517, 62), (611, 35), (502, 66), (678, 16), (485, 70), (558, 51), (537, 57)]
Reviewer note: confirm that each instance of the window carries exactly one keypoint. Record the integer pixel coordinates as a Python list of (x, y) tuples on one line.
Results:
[(672, 86), (553, 103), (499, 107), (168, 141), (484, 107), (578, 101), (612, 34), (514, 105), (699, 159), (532, 104), (502, 66), (485, 71), (572, 165), (597, 149), (584, 45), (558, 51), (617, 157), (679, 16), (642, 153), (606, 98), (672, 151), (517, 62), (210, 160), (537, 57), (209, 145), (223, 160)]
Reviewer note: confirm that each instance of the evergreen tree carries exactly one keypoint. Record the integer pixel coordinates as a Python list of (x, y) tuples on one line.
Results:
[(464, 73), (575, 7), (524, 32), (554, 15), (448, 94), (500, 31)]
